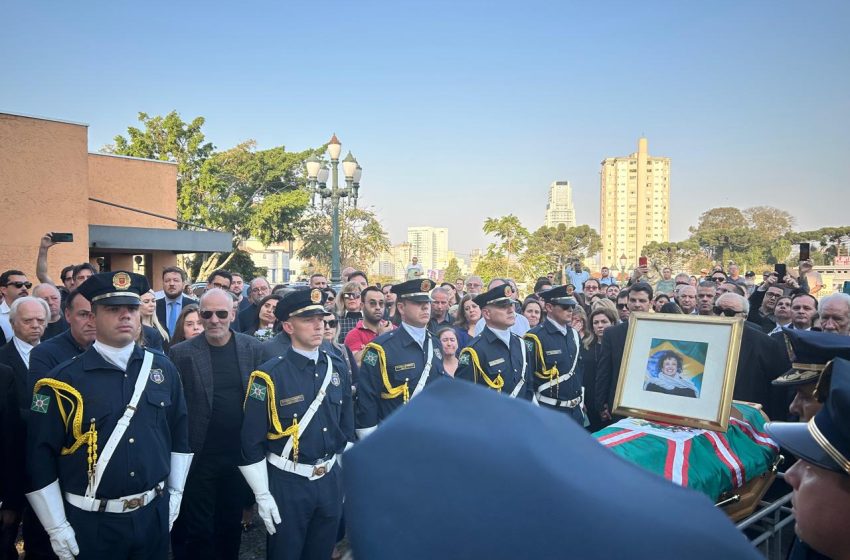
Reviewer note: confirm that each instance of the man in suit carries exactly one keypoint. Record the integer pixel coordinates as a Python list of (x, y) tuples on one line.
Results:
[(611, 353), (258, 288), (761, 360), (214, 367), (168, 308), (13, 284), (28, 317)]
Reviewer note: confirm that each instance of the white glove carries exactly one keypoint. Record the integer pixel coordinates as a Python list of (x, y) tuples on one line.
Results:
[(180, 463), (50, 510), (257, 476)]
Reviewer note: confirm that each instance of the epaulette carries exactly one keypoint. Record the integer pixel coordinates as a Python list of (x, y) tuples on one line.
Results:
[(374, 355), (267, 395), (469, 355)]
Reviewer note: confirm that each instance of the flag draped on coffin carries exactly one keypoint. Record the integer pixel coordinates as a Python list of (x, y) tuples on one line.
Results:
[(709, 462)]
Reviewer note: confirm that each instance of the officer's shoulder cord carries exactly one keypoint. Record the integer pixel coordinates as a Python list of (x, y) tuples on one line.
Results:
[(496, 384), (276, 431), (550, 373), (76, 408), (392, 392)]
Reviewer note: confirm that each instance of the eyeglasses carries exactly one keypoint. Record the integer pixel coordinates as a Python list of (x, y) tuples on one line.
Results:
[(221, 314), (622, 306), (771, 294), (220, 285), (351, 295), (719, 279), (331, 324), (725, 312), (20, 285)]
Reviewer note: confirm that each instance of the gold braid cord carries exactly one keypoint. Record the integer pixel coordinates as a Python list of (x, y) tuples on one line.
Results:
[(496, 384), (550, 374), (392, 392), (276, 431), (75, 402)]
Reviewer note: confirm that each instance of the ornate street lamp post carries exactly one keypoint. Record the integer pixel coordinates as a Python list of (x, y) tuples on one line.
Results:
[(317, 177)]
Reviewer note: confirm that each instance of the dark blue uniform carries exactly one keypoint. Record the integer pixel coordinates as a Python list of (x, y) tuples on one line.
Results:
[(310, 509), (381, 385), (487, 361), (140, 462), (554, 354)]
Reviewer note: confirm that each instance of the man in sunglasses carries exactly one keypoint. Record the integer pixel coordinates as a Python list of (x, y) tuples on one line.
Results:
[(761, 359), (397, 365), (371, 325), (13, 284), (497, 358), (556, 369), (298, 418), (214, 367), (108, 437)]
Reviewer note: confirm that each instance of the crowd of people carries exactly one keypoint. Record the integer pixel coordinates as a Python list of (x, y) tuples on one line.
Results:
[(237, 373)]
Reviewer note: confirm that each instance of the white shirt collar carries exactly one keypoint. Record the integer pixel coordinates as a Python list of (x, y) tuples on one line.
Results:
[(309, 354), (503, 335), (4, 307), (24, 349), (416, 333), (562, 328), (115, 356)]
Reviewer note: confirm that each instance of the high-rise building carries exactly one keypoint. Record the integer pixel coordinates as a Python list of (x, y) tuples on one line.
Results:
[(634, 207), (559, 209), (430, 245)]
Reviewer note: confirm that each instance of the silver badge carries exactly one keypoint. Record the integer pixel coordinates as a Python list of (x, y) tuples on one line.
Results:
[(335, 379), (157, 376)]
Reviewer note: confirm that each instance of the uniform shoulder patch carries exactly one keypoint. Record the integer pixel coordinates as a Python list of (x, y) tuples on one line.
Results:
[(40, 403), (464, 359), (529, 344), (257, 391), (370, 357)]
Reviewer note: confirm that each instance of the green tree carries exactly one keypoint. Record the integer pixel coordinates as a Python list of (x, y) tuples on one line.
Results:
[(362, 237), (768, 220), (512, 237), (167, 138), (452, 271), (678, 256), (551, 248), (491, 265)]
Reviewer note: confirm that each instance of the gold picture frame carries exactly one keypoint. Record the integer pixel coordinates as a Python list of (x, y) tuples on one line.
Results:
[(679, 369)]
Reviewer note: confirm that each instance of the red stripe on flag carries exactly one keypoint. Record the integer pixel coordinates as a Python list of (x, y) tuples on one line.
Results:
[(759, 438), (712, 437), (740, 464), (668, 461), (633, 436)]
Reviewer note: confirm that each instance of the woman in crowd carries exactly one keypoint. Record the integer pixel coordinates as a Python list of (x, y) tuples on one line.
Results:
[(264, 325), (659, 301), (348, 309), (533, 311), (453, 297), (601, 317), (188, 324), (152, 334), (468, 314), (448, 342), (332, 336), (694, 281), (330, 302), (579, 322)]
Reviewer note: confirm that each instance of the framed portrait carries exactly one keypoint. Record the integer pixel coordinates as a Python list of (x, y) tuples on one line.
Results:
[(679, 369)]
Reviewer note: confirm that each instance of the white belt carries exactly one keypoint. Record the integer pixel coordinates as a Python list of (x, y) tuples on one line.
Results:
[(572, 403), (124, 504), (310, 472)]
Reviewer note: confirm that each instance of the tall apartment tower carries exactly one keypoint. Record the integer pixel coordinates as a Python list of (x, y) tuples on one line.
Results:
[(430, 245), (559, 209), (634, 206)]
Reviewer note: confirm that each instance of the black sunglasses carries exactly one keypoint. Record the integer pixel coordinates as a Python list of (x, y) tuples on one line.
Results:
[(20, 285), (719, 279), (622, 306), (724, 311), (351, 295), (221, 314), (331, 324)]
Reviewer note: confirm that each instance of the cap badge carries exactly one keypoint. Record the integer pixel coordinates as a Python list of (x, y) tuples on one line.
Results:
[(570, 290), (121, 281), (426, 285), (508, 291), (156, 376), (316, 296)]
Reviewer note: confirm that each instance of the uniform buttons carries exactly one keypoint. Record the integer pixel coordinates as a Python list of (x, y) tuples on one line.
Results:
[(324, 429), (132, 473), (125, 375), (132, 440), (317, 375), (162, 404)]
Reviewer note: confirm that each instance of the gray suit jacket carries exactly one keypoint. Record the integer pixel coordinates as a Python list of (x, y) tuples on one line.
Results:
[(192, 358)]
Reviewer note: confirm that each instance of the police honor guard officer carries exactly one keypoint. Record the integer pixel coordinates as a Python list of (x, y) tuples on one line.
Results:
[(497, 358), (298, 417), (108, 432), (555, 355), (397, 365)]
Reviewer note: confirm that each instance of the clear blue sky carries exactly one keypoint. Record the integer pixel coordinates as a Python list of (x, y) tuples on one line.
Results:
[(462, 110)]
